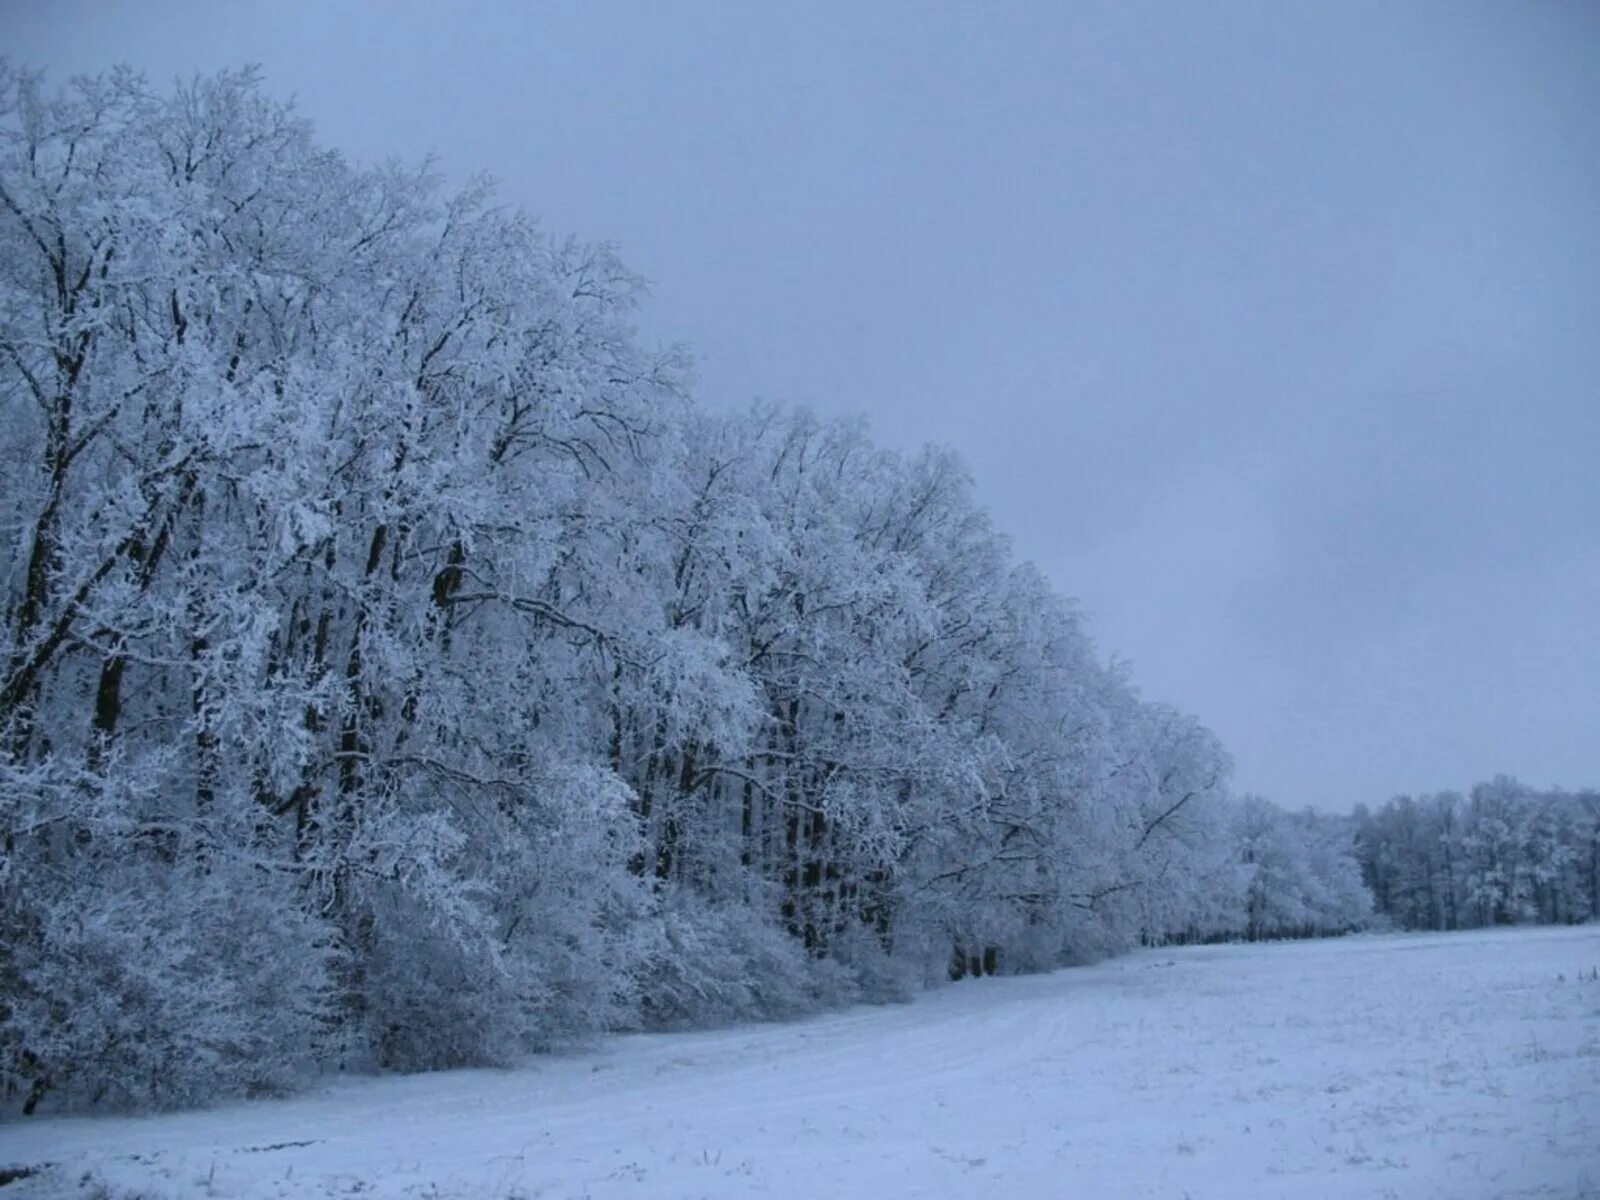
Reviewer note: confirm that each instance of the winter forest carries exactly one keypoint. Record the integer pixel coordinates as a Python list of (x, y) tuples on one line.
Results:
[(399, 671)]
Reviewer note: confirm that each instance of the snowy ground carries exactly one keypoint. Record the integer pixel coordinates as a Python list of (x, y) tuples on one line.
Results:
[(1460, 1066)]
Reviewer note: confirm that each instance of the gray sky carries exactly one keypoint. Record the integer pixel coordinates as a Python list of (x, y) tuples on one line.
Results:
[(1272, 332)]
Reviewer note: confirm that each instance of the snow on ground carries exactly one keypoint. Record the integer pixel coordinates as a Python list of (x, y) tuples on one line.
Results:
[(1458, 1066)]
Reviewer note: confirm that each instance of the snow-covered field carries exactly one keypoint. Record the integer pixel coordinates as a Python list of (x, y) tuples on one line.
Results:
[(1457, 1066)]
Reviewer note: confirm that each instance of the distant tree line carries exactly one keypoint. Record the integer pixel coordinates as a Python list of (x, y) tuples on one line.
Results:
[(398, 671), (1503, 854), (1297, 874)]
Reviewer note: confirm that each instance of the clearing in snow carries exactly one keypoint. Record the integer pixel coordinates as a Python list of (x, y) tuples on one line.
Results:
[(1459, 1066)]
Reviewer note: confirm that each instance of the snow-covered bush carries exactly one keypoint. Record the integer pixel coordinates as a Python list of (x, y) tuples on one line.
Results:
[(144, 964)]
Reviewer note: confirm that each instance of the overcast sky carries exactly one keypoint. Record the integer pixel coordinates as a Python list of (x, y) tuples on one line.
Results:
[(1271, 332)]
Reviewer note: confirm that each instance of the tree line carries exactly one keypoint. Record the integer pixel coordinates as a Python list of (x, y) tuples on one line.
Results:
[(1503, 854), (398, 670)]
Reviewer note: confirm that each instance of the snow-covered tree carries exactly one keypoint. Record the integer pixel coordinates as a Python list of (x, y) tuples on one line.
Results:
[(1504, 854), (397, 670)]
